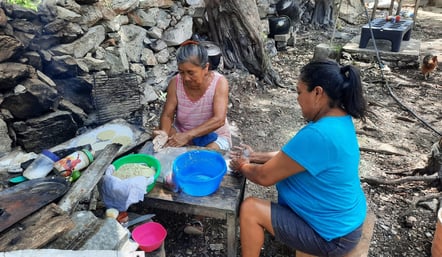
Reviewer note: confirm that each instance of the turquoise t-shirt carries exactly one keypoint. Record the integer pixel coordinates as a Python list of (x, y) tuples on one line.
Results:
[(328, 194)]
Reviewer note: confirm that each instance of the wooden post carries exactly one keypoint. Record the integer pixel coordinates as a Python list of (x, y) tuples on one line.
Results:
[(375, 6), (89, 178), (416, 7)]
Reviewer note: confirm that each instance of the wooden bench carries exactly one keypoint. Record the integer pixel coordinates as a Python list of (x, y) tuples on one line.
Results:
[(223, 204), (361, 249)]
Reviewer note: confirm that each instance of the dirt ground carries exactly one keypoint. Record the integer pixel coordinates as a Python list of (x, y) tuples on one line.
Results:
[(395, 142)]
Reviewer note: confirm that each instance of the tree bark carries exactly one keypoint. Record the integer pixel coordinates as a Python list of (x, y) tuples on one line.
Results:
[(235, 26), (323, 13)]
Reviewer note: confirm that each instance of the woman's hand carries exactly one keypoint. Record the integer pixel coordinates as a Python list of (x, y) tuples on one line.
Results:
[(239, 156), (242, 150), (160, 139), (179, 139), (236, 164)]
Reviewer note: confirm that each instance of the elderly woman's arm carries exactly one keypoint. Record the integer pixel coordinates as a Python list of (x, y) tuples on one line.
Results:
[(169, 108)]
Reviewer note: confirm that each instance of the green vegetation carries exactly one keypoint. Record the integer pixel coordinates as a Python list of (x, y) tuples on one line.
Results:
[(31, 4)]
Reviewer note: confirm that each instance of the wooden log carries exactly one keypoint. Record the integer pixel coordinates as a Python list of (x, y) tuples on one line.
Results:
[(37, 230), (89, 178), (361, 249)]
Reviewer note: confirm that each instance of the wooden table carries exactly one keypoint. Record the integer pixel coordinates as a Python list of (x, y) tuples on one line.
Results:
[(223, 204)]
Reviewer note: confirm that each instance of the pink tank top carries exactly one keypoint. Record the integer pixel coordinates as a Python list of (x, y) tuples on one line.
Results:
[(191, 114)]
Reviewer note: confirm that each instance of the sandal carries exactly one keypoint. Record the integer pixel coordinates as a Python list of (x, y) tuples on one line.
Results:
[(195, 227)]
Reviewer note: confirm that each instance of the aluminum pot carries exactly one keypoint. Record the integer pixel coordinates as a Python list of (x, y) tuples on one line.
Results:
[(279, 25)]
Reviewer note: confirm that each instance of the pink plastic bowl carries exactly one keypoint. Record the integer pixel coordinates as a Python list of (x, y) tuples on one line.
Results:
[(149, 236)]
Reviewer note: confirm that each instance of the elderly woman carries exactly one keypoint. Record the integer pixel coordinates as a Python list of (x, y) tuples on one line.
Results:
[(195, 112), (321, 205)]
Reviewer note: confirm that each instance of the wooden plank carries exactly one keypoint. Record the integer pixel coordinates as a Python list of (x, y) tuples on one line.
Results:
[(37, 230), (89, 178)]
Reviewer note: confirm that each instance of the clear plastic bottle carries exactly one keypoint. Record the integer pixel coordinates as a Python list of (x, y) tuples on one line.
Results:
[(77, 160), (41, 166)]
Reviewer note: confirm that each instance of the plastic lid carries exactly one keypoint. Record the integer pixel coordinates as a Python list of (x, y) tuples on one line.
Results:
[(50, 155), (89, 155)]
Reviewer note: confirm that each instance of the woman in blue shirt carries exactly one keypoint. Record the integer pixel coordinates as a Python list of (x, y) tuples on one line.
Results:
[(321, 205)]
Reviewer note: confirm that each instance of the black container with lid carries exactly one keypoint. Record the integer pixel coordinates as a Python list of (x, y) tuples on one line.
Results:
[(289, 8), (214, 53), (279, 25)]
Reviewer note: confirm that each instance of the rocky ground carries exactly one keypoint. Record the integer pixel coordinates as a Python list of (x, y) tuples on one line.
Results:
[(395, 143)]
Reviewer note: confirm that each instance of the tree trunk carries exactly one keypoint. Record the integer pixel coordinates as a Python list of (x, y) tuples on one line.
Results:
[(235, 26), (323, 13)]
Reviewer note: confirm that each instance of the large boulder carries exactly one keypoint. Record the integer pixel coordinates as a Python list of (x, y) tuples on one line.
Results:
[(46, 131), (35, 99)]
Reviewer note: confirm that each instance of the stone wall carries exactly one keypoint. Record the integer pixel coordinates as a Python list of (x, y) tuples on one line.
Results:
[(54, 62), (50, 60)]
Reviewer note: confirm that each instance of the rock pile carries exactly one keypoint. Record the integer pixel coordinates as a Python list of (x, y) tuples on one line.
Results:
[(54, 60)]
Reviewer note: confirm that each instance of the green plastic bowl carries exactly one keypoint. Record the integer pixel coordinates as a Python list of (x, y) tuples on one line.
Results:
[(141, 158)]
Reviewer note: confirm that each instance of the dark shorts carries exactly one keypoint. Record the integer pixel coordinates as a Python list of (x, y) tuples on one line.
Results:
[(293, 231)]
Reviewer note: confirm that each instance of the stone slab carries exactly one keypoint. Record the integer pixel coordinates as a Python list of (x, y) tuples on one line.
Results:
[(408, 55), (111, 235)]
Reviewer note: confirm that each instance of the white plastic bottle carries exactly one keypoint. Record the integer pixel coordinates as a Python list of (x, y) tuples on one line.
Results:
[(75, 161), (41, 166)]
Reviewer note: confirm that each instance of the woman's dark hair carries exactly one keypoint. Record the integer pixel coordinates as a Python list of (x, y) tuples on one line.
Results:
[(193, 52), (341, 83)]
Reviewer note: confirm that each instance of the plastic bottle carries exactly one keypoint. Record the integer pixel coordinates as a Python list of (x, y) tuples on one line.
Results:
[(77, 160), (41, 166)]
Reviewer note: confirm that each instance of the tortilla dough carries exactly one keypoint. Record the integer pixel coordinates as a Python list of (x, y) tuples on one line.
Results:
[(160, 140), (106, 135), (123, 140), (130, 170), (85, 140), (97, 146)]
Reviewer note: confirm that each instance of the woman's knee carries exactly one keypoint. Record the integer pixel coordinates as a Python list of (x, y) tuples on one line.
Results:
[(256, 211), (254, 207)]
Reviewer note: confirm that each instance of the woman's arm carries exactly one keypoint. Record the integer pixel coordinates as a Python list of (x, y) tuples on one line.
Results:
[(276, 169), (247, 151), (169, 108)]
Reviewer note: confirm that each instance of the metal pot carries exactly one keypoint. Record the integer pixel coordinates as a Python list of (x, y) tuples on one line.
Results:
[(214, 53), (279, 25), (289, 8)]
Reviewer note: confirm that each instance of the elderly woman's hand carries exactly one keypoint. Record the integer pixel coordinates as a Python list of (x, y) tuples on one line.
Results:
[(160, 139), (179, 139)]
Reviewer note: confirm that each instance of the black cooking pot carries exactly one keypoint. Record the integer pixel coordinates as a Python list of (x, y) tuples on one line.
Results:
[(214, 53), (279, 25), (289, 8)]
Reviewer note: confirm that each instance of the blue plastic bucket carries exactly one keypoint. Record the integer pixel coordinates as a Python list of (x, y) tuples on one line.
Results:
[(199, 172)]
